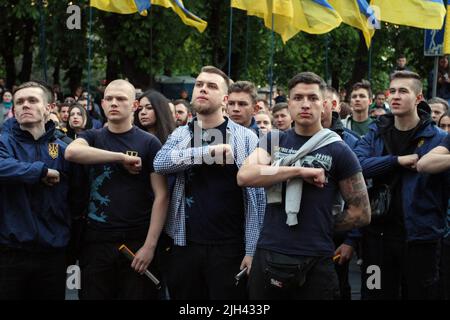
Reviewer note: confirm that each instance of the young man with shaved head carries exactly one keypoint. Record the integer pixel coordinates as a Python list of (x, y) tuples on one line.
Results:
[(128, 201)]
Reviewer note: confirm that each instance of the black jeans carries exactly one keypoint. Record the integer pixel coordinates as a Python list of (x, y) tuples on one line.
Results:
[(275, 276), (106, 274), (407, 270), (204, 272), (32, 275), (342, 270), (444, 269)]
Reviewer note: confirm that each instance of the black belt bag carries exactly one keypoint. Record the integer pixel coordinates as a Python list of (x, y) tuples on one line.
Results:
[(286, 272)]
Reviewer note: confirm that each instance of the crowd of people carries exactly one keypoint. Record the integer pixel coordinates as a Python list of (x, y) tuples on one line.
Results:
[(287, 191)]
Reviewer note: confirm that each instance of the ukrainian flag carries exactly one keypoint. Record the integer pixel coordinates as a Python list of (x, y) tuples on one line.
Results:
[(446, 49), (141, 6), (292, 16), (122, 6), (425, 14), (187, 17), (358, 14)]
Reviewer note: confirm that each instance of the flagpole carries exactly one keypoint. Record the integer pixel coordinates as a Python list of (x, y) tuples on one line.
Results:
[(435, 75), (246, 45), (370, 63), (271, 66), (327, 67), (42, 40), (89, 56), (229, 40)]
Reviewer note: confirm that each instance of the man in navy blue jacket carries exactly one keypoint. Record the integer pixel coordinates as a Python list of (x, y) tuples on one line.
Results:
[(403, 243), (34, 201)]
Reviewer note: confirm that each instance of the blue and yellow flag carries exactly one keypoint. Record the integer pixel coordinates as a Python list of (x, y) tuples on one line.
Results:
[(122, 6), (358, 14), (426, 14), (187, 17), (291, 17), (446, 49), (141, 6)]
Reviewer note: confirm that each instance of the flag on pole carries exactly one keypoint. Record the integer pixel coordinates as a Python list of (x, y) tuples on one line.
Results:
[(446, 49), (141, 6), (186, 16), (358, 14), (291, 17), (425, 14), (122, 6)]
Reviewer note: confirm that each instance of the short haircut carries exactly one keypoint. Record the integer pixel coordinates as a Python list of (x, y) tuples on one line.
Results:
[(307, 78), (438, 100), (267, 114), (364, 84), (244, 86), (333, 91), (401, 56), (184, 103), (121, 82), (48, 92), (212, 69), (263, 101), (279, 106), (417, 83), (380, 93), (346, 110), (64, 104)]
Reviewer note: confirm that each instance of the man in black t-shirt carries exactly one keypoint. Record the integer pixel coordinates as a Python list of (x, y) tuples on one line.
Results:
[(403, 242), (310, 166), (128, 201)]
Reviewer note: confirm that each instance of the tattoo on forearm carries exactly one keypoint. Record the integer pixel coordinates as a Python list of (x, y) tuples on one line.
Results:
[(354, 192)]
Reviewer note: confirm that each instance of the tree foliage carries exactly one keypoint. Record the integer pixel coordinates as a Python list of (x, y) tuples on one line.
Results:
[(140, 48)]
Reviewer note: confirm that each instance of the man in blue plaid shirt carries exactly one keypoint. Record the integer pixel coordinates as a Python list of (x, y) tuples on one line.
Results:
[(213, 222)]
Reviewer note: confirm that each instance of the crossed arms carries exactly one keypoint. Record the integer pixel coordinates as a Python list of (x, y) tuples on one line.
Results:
[(257, 172)]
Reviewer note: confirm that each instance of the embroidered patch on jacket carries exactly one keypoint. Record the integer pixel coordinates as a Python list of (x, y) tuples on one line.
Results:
[(420, 143), (53, 150)]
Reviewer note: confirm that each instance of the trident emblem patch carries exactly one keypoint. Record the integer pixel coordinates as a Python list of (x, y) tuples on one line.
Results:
[(53, 150)]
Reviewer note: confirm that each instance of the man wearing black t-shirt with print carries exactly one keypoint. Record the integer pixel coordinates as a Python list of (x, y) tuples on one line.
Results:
[(403, 243), (214, 223), (128, 201), (303, 170)]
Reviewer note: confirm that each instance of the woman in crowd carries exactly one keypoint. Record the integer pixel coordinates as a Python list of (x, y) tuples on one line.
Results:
[(6, 107), (154, 115), (78, 120), (444, 122)]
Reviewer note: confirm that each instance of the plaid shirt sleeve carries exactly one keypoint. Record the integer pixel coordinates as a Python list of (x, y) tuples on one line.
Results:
[(175, 156)]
